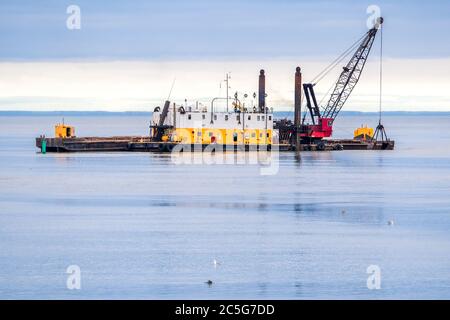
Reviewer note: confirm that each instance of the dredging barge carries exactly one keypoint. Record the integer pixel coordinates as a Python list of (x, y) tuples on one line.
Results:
[(145, 144), (242, 128)]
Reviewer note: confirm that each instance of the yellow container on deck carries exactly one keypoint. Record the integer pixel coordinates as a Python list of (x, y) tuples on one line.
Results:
[(363, 133), (64, 131)]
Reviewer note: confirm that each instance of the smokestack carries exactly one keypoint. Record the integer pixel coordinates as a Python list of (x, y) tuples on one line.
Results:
[(298, 105), (298, 97), (262, 91)]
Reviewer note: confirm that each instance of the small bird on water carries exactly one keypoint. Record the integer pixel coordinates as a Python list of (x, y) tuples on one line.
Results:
[(390, 223), (209, 283)]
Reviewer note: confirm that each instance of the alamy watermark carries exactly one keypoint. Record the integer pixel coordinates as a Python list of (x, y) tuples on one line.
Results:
[(263, 155), (374, 279), (375, 13), (74, 279), (73, 21)]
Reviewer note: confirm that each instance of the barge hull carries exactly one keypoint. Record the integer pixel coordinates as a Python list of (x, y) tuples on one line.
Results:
[(145, 144)]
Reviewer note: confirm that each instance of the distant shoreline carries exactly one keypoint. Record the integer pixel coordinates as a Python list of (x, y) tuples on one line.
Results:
[(148, 113)]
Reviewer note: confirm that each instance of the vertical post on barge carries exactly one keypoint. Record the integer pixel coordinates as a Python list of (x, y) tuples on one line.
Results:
[(43, 145), (297, 107), (262, 91), (174, 116)]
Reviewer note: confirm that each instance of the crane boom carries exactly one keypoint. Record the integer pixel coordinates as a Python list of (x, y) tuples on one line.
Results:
[(350, 74)]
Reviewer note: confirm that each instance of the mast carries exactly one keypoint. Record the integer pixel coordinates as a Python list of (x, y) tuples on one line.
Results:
[(226, 81)]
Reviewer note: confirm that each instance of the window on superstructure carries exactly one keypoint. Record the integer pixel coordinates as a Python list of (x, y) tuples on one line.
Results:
[(189, 117), (238, 118), (258, 118), (249, 117), (270, 117), (215, 117), (253, 135), (262, 118), (203, 116), (226, 117)]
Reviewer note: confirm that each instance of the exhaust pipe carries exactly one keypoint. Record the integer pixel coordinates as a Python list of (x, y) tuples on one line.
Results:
[(262, 91), (298, 98), (298, 106)]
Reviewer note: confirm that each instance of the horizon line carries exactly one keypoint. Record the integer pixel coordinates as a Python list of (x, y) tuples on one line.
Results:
[(137, 112)]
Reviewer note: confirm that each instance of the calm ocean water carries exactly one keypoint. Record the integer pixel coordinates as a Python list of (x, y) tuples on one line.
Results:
[(140, 226)]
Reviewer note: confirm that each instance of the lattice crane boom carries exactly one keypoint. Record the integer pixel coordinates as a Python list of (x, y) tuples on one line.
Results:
[(350, 74)]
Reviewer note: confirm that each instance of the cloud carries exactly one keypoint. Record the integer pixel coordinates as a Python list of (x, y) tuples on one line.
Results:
[(412, 84)]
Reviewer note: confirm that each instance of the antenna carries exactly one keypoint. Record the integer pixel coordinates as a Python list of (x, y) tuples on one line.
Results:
[(228, 87)]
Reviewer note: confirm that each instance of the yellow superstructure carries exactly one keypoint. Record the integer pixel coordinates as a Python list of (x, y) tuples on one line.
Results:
[(224, 128), (64, 131)]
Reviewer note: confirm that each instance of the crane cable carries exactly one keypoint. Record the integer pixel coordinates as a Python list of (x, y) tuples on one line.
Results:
[(381, 71), (328, 69), (336, 61), (326, 94)]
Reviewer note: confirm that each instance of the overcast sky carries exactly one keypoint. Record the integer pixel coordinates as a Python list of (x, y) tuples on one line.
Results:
[(127, 53)]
